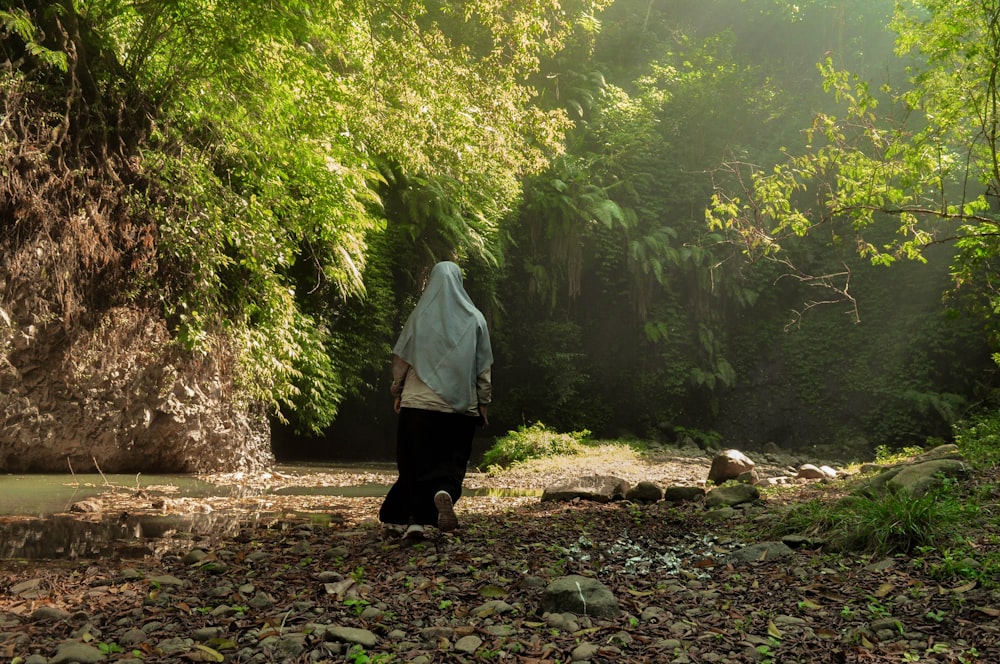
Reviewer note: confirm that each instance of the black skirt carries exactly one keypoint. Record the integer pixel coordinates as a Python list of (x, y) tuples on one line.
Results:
[(432, 454)]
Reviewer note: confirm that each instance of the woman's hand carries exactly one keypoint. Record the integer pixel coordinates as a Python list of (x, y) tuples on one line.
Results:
[(397, 404), (482, 414)]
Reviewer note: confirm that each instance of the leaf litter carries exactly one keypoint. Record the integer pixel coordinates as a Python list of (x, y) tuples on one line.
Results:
[(319, 579)]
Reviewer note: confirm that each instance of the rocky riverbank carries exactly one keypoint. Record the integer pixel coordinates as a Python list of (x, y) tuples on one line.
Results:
[(325, 583)]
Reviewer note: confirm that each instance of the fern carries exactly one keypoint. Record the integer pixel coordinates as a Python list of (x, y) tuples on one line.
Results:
[(16, 21)]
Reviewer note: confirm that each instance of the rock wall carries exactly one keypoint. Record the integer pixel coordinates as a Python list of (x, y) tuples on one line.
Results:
[(117, 396), (89, 377)]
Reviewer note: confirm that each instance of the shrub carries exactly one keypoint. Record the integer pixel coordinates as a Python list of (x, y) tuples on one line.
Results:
[(533, 442)]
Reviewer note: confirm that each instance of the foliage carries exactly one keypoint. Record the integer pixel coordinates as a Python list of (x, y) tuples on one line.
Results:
[(533, 442), (884, 454), (268, 139), (901, 168), (893, 522)]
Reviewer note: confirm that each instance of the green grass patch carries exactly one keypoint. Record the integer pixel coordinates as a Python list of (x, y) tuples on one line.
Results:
[(533, 442), (891, 523)]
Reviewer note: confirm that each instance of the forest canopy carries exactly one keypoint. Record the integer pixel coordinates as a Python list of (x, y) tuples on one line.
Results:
[(651, 200)]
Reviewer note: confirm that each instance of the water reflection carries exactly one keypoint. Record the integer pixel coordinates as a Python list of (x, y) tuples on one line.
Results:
[(107, 538), (34, 523)]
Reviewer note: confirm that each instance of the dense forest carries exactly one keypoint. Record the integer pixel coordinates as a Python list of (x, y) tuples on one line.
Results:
[(726, 222)]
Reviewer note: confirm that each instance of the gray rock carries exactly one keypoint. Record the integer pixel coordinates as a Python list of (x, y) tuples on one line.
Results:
[(260, 601), (49, 613), (732, 495), (174, 646), (501, 631), (351, 635), (761, 551), (29, 589), (194, 556), (582, 595), (598, 488), (645, 492), (584, 652), (78, 653), (720, 513), (468, 644), (919, 478), (680, 494), (492, 608)]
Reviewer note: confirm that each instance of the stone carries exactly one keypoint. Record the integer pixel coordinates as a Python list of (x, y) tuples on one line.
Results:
[(808, 471), (492, 608), (584, 652), (597, 488), (49, 613), (86, 506), (468, 644), (362, 637), (760, 552), (77, 653), (728, 464), (919, 478), (582, 595), (732, 495), (682, 494), (645, 492)]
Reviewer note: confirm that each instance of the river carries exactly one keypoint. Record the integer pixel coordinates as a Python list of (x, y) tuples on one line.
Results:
[(36, 520)]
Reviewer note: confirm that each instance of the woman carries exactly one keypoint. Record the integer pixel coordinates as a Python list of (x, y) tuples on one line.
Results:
[(441, 387)]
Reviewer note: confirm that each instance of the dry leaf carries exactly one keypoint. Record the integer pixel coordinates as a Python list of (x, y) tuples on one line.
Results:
[(964, 588), (773, 631), (202, 653), (884, 590)]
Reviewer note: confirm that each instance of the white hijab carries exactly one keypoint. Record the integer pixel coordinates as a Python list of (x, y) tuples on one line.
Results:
[(445, 339)]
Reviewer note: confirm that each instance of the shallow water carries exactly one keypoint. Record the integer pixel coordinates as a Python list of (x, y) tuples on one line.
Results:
[(34, 523)]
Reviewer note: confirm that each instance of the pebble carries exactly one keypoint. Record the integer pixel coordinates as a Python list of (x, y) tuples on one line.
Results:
[(468, 644)]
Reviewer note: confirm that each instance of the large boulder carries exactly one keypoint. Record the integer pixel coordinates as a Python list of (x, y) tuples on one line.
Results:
[(728, 465), (917, 476)]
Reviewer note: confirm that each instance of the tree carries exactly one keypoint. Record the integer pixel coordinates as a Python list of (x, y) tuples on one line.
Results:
[(262, 148), (903, 167)]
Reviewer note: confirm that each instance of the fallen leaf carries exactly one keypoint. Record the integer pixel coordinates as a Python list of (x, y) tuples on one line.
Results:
[(493, 592), (202, 653), (884, 590), (964, 588), (773, 631), (990, 611)]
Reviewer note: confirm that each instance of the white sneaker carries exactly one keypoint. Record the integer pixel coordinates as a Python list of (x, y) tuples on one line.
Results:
[(414, 532), (446, 511)]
